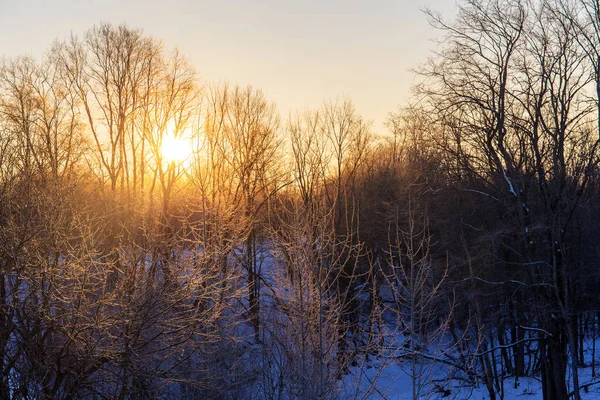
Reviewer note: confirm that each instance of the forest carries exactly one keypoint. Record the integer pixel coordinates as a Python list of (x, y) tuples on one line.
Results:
[(166, 237)]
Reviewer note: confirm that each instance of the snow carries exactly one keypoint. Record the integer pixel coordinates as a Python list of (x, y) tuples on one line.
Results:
[(392, 382), (388, 375), (380, 379)]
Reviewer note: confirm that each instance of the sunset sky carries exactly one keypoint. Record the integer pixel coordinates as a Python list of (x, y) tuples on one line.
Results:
[(298, 52)]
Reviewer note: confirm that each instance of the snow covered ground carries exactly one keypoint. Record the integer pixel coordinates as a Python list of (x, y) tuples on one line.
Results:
[(393, 382), (390, 377)]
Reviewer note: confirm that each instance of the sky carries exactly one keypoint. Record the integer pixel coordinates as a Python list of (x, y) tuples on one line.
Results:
[(300, 53)]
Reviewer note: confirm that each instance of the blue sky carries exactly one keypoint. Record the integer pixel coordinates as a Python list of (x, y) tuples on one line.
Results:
[(299, 53)]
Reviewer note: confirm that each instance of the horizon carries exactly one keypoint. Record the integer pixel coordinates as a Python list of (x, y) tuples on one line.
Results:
[(299, 55)]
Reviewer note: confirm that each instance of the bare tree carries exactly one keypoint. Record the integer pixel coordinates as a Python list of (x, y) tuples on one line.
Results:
[(512, 84), (416, 285), (242, 130)]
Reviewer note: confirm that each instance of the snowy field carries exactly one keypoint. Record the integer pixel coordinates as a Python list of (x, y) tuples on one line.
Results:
[(393, 382)]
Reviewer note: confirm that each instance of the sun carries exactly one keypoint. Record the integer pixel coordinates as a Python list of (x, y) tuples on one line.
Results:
[(175, 150)]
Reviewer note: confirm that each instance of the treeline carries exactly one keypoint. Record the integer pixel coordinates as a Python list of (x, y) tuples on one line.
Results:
[(283, 255)]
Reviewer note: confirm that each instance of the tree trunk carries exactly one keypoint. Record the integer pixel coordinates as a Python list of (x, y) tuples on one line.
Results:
[(554, 365), (253, 283), (517, 337)]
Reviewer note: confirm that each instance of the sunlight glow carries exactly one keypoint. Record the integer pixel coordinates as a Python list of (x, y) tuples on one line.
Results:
[(175, 150)]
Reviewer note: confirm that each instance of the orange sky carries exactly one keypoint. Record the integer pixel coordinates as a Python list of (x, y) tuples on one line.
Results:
[(298, 52)]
